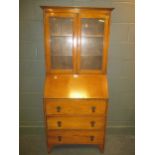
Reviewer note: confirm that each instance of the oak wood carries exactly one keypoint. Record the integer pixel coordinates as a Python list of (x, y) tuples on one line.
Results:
[(76, 14), (75, 100), (75, 137), (101, 147), (46, 42), (76, 86), (48, 45), (77, 9), (74, 122), (75, 107)]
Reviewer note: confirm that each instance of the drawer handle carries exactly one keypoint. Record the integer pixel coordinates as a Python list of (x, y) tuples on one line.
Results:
[(59, 138), (93, 109), (58, 108), (92, 138), (92, 123), (59, 123)]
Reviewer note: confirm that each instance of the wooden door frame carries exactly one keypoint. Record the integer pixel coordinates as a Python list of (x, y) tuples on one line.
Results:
[(47, 33), (106, 18)]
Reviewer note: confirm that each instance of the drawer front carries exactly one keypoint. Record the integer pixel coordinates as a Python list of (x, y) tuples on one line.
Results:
[(75, 122), (75, 107), (75, 137)]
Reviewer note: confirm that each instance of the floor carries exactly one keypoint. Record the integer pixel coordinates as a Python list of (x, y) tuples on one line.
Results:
[(115, 145)]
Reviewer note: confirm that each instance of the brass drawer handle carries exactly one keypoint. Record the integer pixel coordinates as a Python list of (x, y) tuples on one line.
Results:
[(92, 123), (59, 124), (59, 138), (93, 109), (58, 108), (92, 138)]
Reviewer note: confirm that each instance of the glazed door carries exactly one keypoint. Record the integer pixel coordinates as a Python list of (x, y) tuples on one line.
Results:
[(60, 42), (92, 43)]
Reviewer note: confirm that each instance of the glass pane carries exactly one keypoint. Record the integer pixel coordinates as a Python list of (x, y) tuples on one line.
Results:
[(92, 43), (61, 43)]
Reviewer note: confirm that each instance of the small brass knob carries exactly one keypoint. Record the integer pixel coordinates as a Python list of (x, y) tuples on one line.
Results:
[(58, 108), (92, 138), (59, 123), (93, 109), (92, 123), (59, 138)]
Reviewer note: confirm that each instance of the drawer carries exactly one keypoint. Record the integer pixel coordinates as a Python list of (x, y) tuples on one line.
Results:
[(75, 122), (75, 107), (75, 137)]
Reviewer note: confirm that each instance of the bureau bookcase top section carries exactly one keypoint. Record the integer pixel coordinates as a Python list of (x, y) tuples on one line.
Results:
[(76, 39)]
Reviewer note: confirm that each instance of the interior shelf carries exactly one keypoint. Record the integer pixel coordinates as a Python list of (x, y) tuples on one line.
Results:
[(92, 35), (70, 35), (61, 35)]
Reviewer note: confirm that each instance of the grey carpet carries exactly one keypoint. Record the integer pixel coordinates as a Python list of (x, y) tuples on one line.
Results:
[(115, 145)]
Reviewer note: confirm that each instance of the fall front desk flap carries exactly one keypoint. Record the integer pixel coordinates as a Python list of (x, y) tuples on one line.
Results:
[(76, 86)]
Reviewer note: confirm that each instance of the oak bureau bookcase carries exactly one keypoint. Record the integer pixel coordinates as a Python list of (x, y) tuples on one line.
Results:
[(76, 87)]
